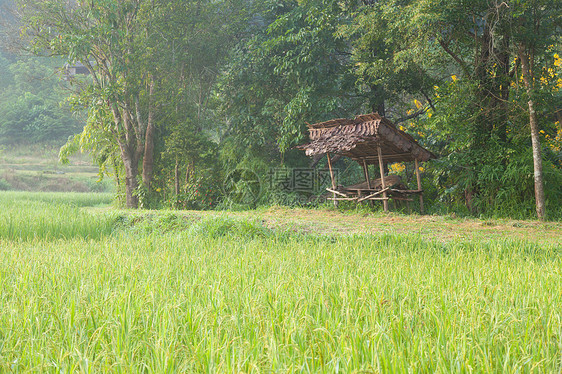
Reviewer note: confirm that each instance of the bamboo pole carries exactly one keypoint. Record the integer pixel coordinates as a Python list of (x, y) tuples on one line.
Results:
[(373, 195), (367, 177), (336, 192), (381, 167), (355, 198), (366, 170), (332, 177), (418, 178)]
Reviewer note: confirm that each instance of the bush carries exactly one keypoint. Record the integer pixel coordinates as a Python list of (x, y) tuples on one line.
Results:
[(4, 185)]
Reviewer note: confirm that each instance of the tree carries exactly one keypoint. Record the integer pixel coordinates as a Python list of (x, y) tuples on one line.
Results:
[(537, 26), (31, 110), (469, 52), (291, 68), (143, 58), (106, 37), (206, 32)]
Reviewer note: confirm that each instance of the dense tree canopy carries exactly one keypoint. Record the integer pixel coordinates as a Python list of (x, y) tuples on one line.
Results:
[(182, 92)]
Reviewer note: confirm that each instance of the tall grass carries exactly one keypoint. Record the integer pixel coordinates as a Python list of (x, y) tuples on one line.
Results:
[(180, 303), (67, 198), (232, 296), (28, 216)]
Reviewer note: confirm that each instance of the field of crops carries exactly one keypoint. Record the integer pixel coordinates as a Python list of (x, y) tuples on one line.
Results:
[(87, 288)]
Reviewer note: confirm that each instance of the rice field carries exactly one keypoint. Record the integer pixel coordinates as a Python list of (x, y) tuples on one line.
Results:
[(35, 215), (227, 294)]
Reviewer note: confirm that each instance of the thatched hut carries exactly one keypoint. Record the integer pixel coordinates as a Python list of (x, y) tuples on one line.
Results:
[(368, 139)]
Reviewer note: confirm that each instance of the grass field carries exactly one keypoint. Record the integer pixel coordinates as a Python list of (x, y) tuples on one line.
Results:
[(37, 168), (274, 290)]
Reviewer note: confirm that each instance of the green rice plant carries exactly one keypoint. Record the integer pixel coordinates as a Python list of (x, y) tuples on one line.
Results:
[(220, 226), (42, 216), (232, 295), (66, 198), (185, 302), (142, 223)]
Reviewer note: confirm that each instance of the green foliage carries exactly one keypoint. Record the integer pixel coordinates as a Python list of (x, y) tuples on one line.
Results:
[(4, 185), (460, 64), (31, 110), (28, 118), (231, 85), (290, 71), (191, 152), (152, 68), (202, 191)]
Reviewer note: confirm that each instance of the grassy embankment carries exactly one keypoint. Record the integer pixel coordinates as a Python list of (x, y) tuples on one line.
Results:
[(194, 292)]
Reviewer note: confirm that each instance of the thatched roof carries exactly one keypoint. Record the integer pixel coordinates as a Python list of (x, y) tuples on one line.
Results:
[(358, 139)]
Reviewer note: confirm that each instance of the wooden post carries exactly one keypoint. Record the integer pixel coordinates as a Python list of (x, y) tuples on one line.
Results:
[(366, 169), (381, 167), (368, 178), (418, 177), (332, 177)]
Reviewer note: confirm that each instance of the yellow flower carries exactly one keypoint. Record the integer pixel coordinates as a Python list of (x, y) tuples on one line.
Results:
[(557, 60), (397, 167), (454, 78)]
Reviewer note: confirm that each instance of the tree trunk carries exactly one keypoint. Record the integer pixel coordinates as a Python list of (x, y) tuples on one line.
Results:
[(535, 140), (129, 155), (177, 177), (148, 159), (131, 171), (187, 173), (377, 100)]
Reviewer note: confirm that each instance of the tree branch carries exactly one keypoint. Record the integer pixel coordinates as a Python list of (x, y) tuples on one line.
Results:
[(446, 48), (413, 115), (428, 99)]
